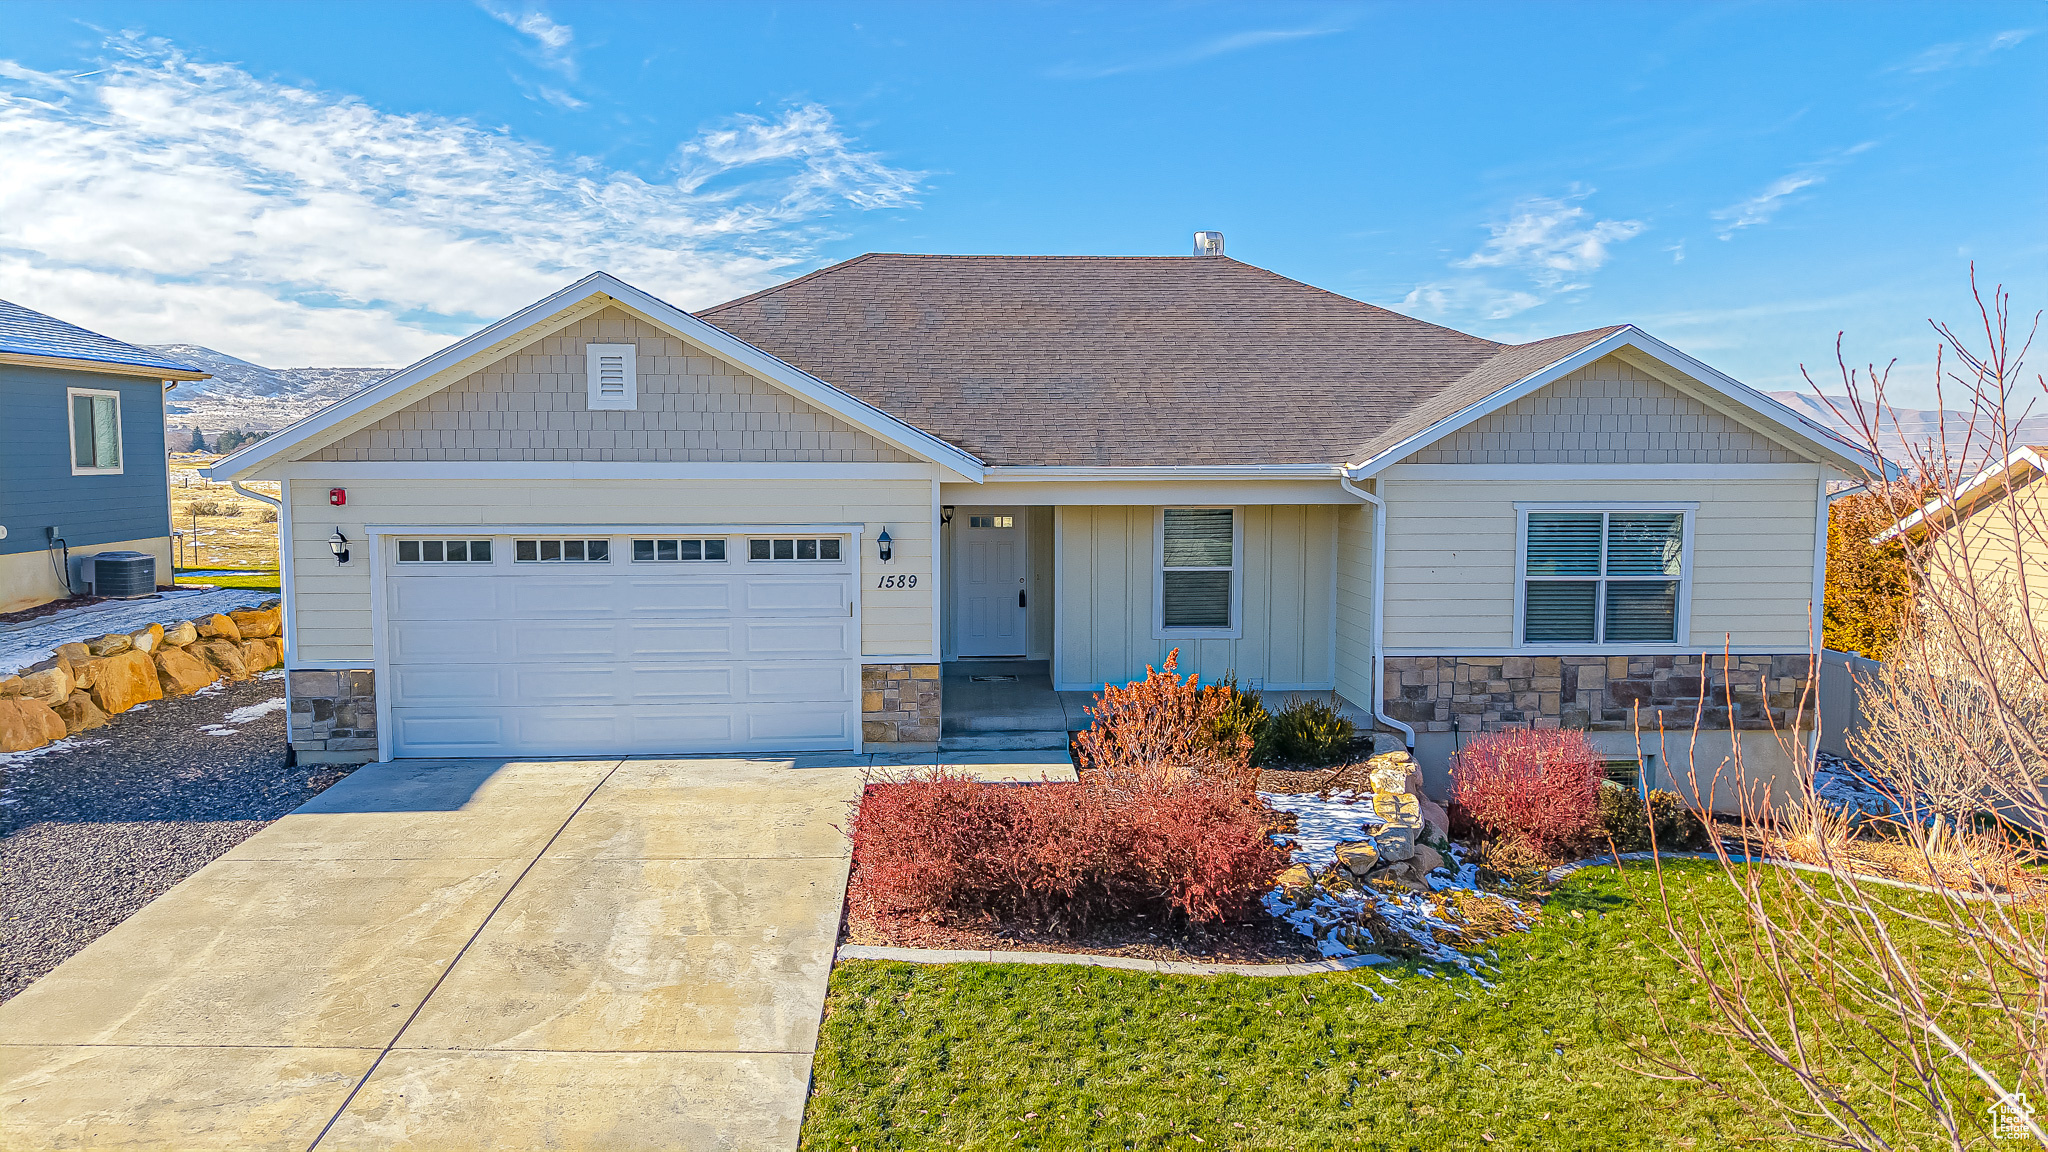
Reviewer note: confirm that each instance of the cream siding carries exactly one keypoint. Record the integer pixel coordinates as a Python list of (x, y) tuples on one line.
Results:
[(1451, 581), (1105, 558), (1608, 412), (330, 603), (532, 405), (2001, 547)]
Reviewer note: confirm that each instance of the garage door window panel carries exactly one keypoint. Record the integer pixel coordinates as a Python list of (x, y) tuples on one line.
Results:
[(444, 551), (826, 549), (699, 551), (562, 551)]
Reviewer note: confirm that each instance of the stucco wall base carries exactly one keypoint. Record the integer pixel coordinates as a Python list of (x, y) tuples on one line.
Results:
[(30, 578)]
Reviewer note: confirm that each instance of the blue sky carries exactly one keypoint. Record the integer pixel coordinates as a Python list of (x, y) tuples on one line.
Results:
[(357, 183)]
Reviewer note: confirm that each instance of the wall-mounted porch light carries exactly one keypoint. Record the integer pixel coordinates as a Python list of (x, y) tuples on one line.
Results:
[(884, 547), (338, 544), (946, 514)]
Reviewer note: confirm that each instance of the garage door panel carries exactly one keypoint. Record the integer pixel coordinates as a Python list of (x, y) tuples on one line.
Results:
[(536, 597), (449, 685), (445, 598), (694, 684), (708, 641), (820, 595), (446, 642), (473, 732), (799, 639), (800, 682), (561, 640), (779, 727), (644, 596)]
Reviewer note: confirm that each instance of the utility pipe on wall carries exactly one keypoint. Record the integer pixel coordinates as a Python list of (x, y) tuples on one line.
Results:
[(1379, 608)]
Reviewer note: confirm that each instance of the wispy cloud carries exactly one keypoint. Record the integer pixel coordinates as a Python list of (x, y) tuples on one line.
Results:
[(1765, 205), (1964, 53), (1552, 243), (168, 199), (1195, 53), (554, 43)]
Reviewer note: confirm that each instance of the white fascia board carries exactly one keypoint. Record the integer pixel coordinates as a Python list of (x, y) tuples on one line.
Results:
[(1600, 472), (1013, 473), (241, 464), (496, 529), (1954, 501), (582, 470), (1793, 425)]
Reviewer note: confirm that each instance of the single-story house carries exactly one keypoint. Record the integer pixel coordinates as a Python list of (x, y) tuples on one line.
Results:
[(82, 465), (605, 526), (1990, 536)]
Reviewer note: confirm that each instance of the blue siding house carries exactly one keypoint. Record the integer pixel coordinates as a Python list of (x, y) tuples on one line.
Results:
[(82, 463)]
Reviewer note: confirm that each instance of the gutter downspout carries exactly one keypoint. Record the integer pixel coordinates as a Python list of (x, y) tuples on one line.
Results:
[(273, 501), (1379, 608)]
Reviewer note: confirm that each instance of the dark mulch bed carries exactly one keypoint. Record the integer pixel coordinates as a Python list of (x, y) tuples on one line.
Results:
[(1261, 941), (92, 830)]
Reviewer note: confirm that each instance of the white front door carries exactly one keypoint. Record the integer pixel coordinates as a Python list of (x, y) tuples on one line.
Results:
[(989, 582), (657, 644)]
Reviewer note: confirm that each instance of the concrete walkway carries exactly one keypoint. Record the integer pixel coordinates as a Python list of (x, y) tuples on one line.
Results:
[(463, 955)]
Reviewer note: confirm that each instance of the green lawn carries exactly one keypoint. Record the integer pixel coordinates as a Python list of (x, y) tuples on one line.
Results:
[(984, 1055), (259, 579)]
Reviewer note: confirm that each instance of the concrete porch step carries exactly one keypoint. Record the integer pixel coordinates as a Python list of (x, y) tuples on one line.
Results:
[(1003, 742)]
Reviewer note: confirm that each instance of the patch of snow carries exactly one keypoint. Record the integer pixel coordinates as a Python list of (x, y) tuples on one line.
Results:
[(32, 640), (1321, 825), (254, 711), (17, 759), (217, 730)]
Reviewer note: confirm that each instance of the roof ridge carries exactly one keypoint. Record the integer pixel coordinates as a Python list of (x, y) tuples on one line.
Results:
[(773, 288)]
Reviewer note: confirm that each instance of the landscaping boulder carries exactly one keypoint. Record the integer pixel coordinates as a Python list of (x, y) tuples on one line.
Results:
[(1298, 885), (85, 670), (146, 639), (10, 685), (180, 634), (79, 713), (260, 654), (1426, 860), (217, 627), (125, 680), (73, 654), (1395, 842), (180, 673), (225, 656), (51, 685), (109, 645), (26, 722), (1358, 857), (254, 624)]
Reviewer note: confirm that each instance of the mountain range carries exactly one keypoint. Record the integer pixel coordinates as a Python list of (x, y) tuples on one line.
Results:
[(1923, 428), (249, 397)]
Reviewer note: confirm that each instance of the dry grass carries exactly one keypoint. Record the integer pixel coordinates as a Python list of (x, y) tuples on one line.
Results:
[(1966, 861), (221, 528)]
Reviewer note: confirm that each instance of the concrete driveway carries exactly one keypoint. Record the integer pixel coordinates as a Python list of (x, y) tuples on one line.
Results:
[(463, 955)]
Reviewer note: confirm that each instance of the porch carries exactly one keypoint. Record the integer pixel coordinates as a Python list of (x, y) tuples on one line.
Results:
[(1007, 705)]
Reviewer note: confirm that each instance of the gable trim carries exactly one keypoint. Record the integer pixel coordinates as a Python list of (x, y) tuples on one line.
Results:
[(439, 370), (1960, 504), (1781, 421)]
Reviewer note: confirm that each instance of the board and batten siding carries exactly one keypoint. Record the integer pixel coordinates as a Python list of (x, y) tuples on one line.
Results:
[(1356, 662), (330, 602), (1451, 580), (1105, 558)]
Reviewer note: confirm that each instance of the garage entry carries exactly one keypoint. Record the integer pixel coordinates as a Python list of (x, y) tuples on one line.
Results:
[(650, 643)]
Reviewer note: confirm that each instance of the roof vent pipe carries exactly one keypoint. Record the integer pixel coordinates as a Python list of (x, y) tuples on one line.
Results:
[(1208, 243)]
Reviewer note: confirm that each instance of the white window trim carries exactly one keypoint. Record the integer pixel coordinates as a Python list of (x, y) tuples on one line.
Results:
[(591, 354), (71, 440), (1159, 629), (1682, 625), (630, 540)]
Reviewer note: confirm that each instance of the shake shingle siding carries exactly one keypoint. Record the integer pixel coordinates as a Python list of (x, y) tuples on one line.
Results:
[(37, 489), (1124, 360)]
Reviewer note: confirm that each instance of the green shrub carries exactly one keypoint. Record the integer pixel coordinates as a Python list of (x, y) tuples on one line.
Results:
[(1627, 821), (1243, 714), (1310, 731)]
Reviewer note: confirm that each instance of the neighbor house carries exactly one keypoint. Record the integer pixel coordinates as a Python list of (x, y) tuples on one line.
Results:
[(1994, 528), (82, 466), (606, 526)]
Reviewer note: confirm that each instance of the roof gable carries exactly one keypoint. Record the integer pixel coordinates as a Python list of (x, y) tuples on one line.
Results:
[(592, 294)]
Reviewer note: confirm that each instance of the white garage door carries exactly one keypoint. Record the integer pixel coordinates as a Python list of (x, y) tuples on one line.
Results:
[(629, 645)]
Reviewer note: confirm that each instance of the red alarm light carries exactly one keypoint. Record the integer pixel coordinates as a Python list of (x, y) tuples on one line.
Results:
[(337, 496)]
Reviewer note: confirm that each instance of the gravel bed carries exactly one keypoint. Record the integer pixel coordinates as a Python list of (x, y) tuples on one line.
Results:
[(93, 828)]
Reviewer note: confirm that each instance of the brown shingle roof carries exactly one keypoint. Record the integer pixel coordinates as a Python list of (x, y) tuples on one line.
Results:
[(1125, 360)]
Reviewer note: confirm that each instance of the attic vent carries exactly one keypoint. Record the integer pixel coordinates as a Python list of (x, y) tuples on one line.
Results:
[(1208, 243), (613, 381)]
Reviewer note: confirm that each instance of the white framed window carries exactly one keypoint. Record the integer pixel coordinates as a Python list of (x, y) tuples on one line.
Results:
[(991, 521), (561, 551), (613, 377), (444, 551), (1198, 582), (1605, 575), (699, 551), (95, 419), (826, 548)]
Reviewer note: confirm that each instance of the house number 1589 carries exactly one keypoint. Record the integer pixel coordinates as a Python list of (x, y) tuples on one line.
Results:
[(896, 582)]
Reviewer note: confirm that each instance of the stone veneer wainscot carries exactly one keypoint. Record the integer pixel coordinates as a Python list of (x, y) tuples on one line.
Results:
[(899, 704), (1599, 693), (333, 717)]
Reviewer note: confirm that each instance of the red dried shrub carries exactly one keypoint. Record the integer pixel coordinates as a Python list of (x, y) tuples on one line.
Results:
[(1060, 857), (1538, 789), (1165, 729)]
